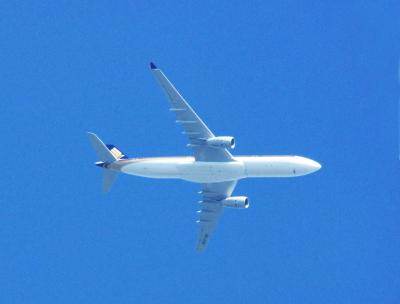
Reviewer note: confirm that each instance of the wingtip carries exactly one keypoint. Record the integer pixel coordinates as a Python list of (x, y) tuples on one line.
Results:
[(153, 66), (200, 249)]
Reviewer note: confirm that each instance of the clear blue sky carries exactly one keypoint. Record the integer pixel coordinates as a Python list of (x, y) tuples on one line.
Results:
[(317, 79)]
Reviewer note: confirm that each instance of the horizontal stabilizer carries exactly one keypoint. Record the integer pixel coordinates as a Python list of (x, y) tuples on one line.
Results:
[(107, 154), (108, 179), (101, 149)]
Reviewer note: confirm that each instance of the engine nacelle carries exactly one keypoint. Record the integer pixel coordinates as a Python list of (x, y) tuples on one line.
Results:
[(236, 202), (222, 142)]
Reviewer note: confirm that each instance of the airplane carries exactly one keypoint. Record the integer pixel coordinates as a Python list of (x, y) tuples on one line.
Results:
[(212, 165)]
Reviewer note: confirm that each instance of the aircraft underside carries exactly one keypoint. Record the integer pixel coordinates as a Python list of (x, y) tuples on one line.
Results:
[(188, 169), (212, 164)]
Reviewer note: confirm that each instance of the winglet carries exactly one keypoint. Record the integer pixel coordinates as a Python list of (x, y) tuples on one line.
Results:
[(153, 66)]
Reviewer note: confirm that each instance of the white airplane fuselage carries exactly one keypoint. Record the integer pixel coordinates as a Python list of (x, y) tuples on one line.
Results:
[(188, 169)]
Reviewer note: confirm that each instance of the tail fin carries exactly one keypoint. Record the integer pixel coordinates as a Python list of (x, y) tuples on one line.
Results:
[(107, 154)]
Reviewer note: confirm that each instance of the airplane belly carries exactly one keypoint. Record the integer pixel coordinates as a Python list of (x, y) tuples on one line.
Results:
[(211, 172), (269, 167), (152, 169)]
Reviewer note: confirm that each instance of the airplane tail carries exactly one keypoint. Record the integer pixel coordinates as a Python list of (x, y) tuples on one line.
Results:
[(107, 154)]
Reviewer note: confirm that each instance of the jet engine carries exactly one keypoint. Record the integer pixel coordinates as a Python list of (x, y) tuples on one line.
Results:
[(236, 202), (222, 142)]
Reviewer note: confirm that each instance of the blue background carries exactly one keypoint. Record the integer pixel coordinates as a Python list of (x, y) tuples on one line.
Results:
[(318, 79)]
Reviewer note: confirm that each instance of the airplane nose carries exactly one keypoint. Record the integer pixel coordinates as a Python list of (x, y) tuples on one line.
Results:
[(315, 166), (306, 166)]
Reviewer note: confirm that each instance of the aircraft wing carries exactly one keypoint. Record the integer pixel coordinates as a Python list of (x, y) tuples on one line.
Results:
[(194, 128), (211, 209)]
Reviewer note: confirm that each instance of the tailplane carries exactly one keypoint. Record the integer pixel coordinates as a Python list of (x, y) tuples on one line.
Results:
[(108, 179), (107, 154)]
